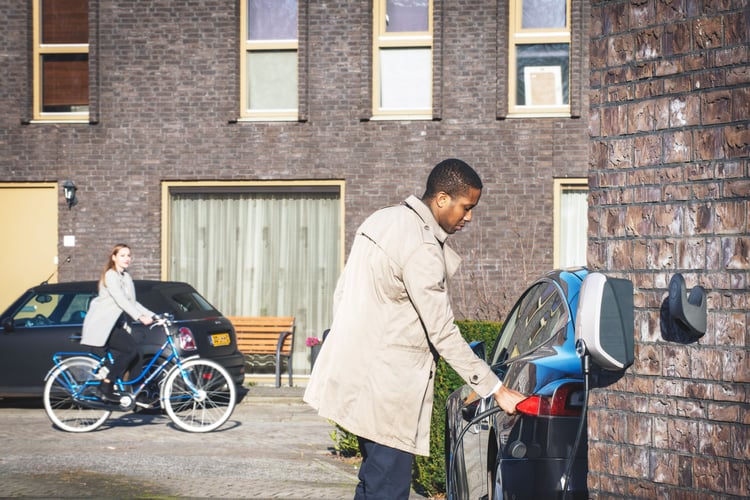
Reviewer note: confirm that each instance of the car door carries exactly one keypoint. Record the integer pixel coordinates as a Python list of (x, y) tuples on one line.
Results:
[(45, 323), (533, 332)]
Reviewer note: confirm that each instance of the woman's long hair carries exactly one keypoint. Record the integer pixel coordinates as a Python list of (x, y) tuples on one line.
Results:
[(110, 262)]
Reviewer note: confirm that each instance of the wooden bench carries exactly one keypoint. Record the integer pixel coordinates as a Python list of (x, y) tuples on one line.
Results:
[(266, 335)]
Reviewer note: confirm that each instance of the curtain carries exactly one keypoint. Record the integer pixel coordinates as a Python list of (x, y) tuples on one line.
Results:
[(573, 227), (260, 254)]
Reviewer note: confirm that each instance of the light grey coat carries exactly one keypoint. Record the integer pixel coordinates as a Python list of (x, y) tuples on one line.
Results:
[(116, 297), (392, 317)]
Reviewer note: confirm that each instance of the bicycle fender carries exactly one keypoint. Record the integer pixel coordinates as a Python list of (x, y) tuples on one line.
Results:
[(70, 356)]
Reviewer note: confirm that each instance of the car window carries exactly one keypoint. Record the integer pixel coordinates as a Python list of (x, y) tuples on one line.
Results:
[(44, 309), (188, 302), (76, 309), (536, 318)]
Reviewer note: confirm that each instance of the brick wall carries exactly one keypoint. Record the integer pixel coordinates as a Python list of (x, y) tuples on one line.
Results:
[(167, 100), (669, 177)]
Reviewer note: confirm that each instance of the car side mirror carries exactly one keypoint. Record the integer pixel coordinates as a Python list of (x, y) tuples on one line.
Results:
[(7, 325), (479, 349)]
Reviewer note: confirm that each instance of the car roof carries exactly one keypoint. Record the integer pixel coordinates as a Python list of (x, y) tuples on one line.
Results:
[(91, 286)]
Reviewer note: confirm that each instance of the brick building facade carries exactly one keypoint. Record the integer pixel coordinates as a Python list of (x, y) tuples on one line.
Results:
[(669, 194), (164, 107), (658, 124)]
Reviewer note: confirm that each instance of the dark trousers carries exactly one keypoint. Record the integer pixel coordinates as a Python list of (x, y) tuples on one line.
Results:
[(385, 473), (127, 355)]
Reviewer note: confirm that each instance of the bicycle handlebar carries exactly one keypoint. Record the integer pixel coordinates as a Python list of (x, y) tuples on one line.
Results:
[(164, 319)]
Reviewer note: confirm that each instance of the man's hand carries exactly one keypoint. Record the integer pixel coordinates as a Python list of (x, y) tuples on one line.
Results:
[(507, 399)]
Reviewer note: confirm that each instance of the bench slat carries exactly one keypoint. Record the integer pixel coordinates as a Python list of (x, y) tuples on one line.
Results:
[(261, 334)]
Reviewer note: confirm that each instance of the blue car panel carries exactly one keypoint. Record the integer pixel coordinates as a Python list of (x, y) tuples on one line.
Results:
[(526, 455)]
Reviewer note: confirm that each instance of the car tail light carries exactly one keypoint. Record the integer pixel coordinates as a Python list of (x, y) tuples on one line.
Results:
[(566, 401), (186, 339)]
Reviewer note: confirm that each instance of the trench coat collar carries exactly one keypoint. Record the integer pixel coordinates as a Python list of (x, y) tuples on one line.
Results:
[(426, 215), (452, 259)]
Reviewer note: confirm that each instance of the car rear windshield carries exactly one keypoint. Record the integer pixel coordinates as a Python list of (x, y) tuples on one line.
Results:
[(181, 301)]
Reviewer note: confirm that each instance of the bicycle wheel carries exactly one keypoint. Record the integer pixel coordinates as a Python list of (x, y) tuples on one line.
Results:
[(200, 397), (65, 395)]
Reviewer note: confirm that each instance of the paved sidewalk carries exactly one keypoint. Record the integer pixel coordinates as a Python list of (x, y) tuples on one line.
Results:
[(273, 446)]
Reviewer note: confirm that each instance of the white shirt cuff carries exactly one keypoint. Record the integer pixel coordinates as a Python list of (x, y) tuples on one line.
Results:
[(494, 390)]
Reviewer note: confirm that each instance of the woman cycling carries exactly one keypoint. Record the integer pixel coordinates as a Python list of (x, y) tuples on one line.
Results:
[(106, 322)]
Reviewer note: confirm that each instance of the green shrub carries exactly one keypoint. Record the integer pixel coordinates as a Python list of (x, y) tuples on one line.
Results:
[(429, 472)]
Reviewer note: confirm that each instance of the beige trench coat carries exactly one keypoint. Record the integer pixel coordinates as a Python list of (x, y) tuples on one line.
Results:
[(375, 373)]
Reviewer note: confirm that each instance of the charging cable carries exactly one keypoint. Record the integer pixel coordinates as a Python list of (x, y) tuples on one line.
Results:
[(496, 409), (581, 349), (477, 418)]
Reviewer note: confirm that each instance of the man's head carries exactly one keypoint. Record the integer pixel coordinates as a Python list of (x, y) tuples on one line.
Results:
[(453, 189)]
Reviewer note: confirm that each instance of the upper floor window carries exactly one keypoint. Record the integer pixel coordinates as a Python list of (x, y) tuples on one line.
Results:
[(61, 59), (402, 58), (268, 63), (539, 57)]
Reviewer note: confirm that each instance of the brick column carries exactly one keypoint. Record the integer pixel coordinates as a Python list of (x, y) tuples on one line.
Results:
[(670, 101)]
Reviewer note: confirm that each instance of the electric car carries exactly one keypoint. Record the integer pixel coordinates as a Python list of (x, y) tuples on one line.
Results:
[(541, 450)]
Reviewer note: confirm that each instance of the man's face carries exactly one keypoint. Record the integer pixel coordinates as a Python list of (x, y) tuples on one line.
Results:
[(452, 213)]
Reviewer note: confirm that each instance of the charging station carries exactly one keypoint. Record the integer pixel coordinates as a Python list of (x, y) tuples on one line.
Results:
[(604, 321)]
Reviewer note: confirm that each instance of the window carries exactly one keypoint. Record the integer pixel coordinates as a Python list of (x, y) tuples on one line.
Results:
[(46, 309), (258, 249), (402, 59), (537, 317), (539, 57), (571, 222), (269, 60), (61, 60)]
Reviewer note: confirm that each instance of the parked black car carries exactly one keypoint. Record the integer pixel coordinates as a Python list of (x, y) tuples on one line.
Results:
[(48, 318), (526, 456)]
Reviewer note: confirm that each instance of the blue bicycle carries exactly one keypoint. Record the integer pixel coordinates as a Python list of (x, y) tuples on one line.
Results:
[(197, 394)]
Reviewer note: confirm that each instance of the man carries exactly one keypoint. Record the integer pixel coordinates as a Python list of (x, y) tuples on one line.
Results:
[(392, 319)]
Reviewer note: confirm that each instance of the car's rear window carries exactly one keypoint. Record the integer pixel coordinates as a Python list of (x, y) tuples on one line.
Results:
[(183, 301), (191, 302)]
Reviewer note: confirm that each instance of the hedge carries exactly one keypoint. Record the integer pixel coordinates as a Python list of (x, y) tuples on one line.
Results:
[(429, 472)]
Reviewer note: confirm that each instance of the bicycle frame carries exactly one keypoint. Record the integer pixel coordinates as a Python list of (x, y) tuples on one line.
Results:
[(77, 390)]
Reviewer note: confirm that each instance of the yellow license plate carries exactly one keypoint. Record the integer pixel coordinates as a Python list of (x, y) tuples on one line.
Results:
[(219, 339)]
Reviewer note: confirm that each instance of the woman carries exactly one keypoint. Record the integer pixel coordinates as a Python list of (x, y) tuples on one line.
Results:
[(106, 321)]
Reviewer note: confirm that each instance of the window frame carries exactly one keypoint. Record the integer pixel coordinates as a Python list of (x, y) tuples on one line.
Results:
[(519, 36), (381, 39), (39, 51), (560, 185), (248, 46)]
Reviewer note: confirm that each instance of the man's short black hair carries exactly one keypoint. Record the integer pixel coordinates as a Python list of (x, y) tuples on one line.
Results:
[(453, 177)]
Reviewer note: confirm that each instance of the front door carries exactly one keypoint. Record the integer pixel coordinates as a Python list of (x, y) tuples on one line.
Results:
[(28, 230)]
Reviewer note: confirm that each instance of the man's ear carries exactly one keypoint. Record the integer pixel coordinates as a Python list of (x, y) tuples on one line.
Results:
[(442, 199)]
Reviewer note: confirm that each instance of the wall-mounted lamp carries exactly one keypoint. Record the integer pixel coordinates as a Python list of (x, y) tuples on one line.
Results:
[(69, 191)]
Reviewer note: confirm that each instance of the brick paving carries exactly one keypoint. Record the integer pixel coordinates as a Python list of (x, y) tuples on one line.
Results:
[(273, 446)]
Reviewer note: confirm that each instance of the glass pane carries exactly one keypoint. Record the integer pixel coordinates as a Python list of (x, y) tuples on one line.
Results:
[(406, 15), (271, 19), (65, 83), (542, 74), (405, 79), (573, 227), (65, 21), (272, 80), (539, 14)]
